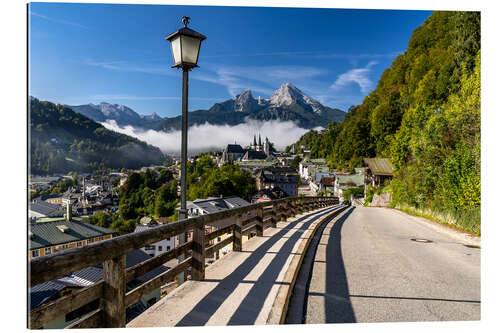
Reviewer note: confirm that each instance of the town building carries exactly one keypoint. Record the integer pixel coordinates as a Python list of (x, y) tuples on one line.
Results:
[(256, 151), (327, 184), (232, 153), (343, 182), (39, 208), (269, 194), (49, 237), (309, 166), (165, 245), (285, 178), (377, 170)]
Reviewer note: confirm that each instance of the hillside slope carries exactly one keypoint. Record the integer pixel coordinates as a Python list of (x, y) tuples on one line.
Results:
[(62, 140), (425, 115)]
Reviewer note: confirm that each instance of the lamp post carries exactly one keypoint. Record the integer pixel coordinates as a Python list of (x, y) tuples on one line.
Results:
[(185, 45)]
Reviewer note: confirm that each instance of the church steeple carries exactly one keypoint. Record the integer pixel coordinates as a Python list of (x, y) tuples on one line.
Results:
[(254, 141), (260, 141)]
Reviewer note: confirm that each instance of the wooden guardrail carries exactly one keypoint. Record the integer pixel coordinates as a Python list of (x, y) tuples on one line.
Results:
[(111, 291)]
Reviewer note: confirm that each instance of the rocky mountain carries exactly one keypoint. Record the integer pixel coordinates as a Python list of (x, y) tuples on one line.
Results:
[(286, 103), (122, 114), (63, 140)]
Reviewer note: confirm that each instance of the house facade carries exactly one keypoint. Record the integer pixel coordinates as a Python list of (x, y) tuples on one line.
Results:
[(284, 178), (159, 247)]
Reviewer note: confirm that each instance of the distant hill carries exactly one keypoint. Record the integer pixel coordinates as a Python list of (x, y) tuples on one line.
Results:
[(286, 103), (62, 140), (122, 114)]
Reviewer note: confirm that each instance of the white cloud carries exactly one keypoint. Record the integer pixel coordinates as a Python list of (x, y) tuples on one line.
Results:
[(259, 79), (58, 21), (359, 76), (107, 97), (207, 136)]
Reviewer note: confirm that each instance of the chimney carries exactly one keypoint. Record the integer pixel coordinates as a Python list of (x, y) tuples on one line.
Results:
[(68, 211)]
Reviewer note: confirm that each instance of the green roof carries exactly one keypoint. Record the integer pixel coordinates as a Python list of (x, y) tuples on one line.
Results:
[(49, 233), (49, 219), (314, 161), (351, 180), (255, 163), (379, 166)]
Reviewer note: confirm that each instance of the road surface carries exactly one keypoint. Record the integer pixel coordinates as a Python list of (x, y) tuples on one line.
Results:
[(365, 267)]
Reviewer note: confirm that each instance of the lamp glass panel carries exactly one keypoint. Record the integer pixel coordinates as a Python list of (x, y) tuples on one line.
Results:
[(190, 47), (175, 44)]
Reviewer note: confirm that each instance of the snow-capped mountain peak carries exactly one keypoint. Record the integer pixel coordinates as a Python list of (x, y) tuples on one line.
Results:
[(288, 94)]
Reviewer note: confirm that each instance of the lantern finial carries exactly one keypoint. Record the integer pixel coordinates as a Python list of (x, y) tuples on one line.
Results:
[(185, 20)]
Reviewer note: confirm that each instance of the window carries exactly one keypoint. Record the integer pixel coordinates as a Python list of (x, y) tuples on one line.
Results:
[(48, 250), (168, 248), (218, 239), (149, 247), (160, 248), (168, 239), (79, 244), (35, 253), (90, 240), (62, 247)]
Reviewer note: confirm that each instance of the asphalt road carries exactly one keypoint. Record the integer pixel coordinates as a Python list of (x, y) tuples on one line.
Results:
[(364, 267)]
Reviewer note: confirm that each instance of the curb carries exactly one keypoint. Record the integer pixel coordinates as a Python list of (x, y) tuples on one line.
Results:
[(280, 305)]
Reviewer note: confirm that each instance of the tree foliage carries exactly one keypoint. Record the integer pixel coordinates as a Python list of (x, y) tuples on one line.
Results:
[(424, 114), (207, 180)]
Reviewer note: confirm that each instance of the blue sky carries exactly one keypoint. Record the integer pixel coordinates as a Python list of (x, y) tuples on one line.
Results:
[(89, 53)]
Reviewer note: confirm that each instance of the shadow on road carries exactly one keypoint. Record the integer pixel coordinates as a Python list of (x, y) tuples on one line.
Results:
[(249, 309), (338, 308)]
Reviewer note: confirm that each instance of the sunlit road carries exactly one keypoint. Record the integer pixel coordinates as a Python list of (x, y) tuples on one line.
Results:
[(365, 267)]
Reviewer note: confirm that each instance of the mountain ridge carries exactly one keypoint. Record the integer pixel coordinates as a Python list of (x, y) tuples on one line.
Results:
[(287, 103)]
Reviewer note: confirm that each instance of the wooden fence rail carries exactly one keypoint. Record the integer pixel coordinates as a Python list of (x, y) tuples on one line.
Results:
[(113, 298)]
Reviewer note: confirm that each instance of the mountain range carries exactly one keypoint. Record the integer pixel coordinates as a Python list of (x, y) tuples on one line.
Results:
[(122, 114), (286, 103)]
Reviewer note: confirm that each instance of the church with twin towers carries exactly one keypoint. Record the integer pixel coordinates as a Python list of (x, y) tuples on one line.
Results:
[(257, 150)]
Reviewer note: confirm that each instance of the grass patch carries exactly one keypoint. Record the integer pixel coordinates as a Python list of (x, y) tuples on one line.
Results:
[(469, 222)]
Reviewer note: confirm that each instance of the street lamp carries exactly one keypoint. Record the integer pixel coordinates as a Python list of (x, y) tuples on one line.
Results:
[(185, 45)]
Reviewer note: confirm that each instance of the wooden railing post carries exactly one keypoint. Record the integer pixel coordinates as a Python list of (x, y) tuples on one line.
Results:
[(284, 211), (114, 292), (260, 221), (237, 242), (198, 254), (274, 217)]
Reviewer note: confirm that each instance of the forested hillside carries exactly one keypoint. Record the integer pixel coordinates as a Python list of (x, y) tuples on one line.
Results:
[(425, 115), (62, 140)]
